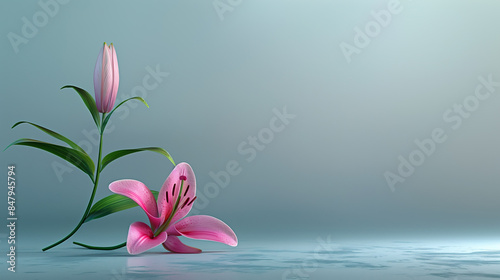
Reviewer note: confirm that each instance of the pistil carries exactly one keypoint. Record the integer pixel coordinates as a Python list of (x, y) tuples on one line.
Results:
[(175, 209)]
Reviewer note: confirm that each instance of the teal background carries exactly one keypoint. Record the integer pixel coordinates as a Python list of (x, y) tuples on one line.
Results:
[(323, 174)]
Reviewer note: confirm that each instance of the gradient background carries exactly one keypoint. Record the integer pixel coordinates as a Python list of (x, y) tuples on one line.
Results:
[(323, 174)]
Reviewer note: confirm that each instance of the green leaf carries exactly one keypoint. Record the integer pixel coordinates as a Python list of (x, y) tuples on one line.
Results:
[(89, 102), (53, 134), (75, 157), (120, 153), (105, 122), (111, 204)]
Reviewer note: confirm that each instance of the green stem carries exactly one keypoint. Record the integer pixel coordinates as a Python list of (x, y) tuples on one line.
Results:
[(101, 248), (89, 205)]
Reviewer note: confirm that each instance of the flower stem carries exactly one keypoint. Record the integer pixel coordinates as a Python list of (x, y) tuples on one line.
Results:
[(89, 205), (101, 248)]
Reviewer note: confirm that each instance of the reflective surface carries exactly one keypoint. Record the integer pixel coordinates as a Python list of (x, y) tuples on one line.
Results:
[(322, 259)]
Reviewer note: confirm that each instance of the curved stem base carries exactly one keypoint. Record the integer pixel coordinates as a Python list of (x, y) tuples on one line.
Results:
[(101, 248)]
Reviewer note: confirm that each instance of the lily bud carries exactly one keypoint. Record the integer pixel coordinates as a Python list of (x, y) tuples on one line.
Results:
[(106, 79)]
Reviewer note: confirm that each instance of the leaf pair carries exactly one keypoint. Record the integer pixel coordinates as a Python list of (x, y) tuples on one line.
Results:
[(91, 106), (74, 155)]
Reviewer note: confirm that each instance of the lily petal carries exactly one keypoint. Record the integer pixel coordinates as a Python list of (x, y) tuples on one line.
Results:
[(166, 204), (139, 193), (206, 228), (171, 230), (140, 238), (173, 244), (115, 77)]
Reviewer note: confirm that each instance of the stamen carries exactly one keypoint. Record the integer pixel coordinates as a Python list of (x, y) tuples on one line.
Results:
[(185, 202), (192, 201), (166, 195), (173, 192), (186, 191), (183, 178)]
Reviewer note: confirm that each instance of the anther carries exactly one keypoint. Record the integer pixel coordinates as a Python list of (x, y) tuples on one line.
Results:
[(173, 191), (166, 195), (186, 191), (185, 202), (192, 201)]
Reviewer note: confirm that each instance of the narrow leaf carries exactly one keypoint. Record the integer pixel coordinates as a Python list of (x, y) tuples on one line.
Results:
[(75, 157), (111, 204), (53, 134), (89, 102), (120, 153), (105, 122)]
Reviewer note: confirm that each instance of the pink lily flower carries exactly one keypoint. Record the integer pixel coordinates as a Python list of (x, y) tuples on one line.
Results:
[(175, 200), (106, 79)]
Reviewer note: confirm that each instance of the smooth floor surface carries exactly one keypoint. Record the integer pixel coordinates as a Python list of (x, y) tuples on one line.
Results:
[(320, 259)]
